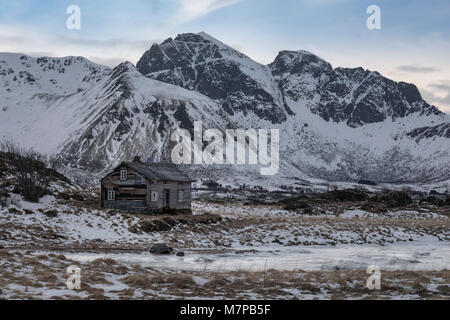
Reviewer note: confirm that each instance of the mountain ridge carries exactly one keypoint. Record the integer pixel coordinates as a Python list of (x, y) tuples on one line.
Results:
[(335, 123)]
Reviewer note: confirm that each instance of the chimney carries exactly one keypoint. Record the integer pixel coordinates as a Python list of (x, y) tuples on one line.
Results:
[(137, 159)]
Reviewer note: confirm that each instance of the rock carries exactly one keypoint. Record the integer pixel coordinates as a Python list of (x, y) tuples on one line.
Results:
[(51, 213), (27, 211), (277, 241), (155, 225), (444, 289), (161, 225), (180, 254), (15, 211), (169, 221), (147, 226), (161, 248), (184, 61)]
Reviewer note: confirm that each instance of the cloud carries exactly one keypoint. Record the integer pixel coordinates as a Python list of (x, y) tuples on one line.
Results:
[(110, 52), (192, 9), (438, 93), (444, 85), (417, 68)]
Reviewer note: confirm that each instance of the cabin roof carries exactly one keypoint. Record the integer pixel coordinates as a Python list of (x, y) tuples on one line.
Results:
[(159, 171)]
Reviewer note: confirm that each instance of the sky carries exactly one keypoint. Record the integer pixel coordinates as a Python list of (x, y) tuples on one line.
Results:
[(412, 44)]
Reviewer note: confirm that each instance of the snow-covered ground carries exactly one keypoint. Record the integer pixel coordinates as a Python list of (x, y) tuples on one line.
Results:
[(262, 251)]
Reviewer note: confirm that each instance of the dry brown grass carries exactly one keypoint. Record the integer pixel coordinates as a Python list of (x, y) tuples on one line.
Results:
[(138, 281)]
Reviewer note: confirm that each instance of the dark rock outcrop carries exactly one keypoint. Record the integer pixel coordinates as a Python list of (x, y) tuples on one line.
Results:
[(161, 249)]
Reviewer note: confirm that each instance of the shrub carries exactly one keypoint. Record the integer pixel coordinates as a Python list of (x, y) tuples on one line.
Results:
[(3, 196), (211, 184), (394, 199), (29, 167), (351, 195), (293, 206)]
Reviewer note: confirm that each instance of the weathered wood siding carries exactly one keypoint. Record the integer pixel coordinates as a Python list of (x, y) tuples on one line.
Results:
[(134, 194), (173, 187)]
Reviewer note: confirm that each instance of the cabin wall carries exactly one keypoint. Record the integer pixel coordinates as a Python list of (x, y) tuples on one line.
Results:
[(134, 195), (131, 195), (173, 188)]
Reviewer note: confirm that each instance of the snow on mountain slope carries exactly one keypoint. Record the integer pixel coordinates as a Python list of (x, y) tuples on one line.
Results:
[(59, 76), (381, 151), (32, 96), (335, 124), (355, 96), (128, 114), (201, 63), (108, 116)]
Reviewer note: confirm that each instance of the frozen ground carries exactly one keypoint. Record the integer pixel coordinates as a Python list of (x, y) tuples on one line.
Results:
[(255, 251), (422, 256), (26, 275)]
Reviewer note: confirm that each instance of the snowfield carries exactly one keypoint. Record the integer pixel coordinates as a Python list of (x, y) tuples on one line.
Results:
[(273, 253)]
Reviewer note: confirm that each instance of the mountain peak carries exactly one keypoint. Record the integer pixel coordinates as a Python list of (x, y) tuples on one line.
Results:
[(202, 63), (125, 67), (191, 37), (211, 39), (298, 61)]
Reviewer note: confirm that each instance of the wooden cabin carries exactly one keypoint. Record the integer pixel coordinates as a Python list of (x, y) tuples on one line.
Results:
[(147, 188)]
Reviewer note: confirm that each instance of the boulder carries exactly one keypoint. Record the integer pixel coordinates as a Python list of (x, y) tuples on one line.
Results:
[(51, 213), (170, 221), (161, 249), (155, 225)]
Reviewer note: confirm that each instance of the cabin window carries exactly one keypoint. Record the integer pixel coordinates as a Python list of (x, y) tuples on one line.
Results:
[(154, 195), (180, 195), (123, 175), (111, 195)]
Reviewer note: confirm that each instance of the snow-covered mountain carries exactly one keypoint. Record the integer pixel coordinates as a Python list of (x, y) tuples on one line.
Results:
[(98, 117), (343, 124), (201, 63)]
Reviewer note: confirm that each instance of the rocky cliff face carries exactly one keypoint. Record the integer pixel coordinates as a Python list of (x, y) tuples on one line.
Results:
[(199, 62), (354, 96)]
